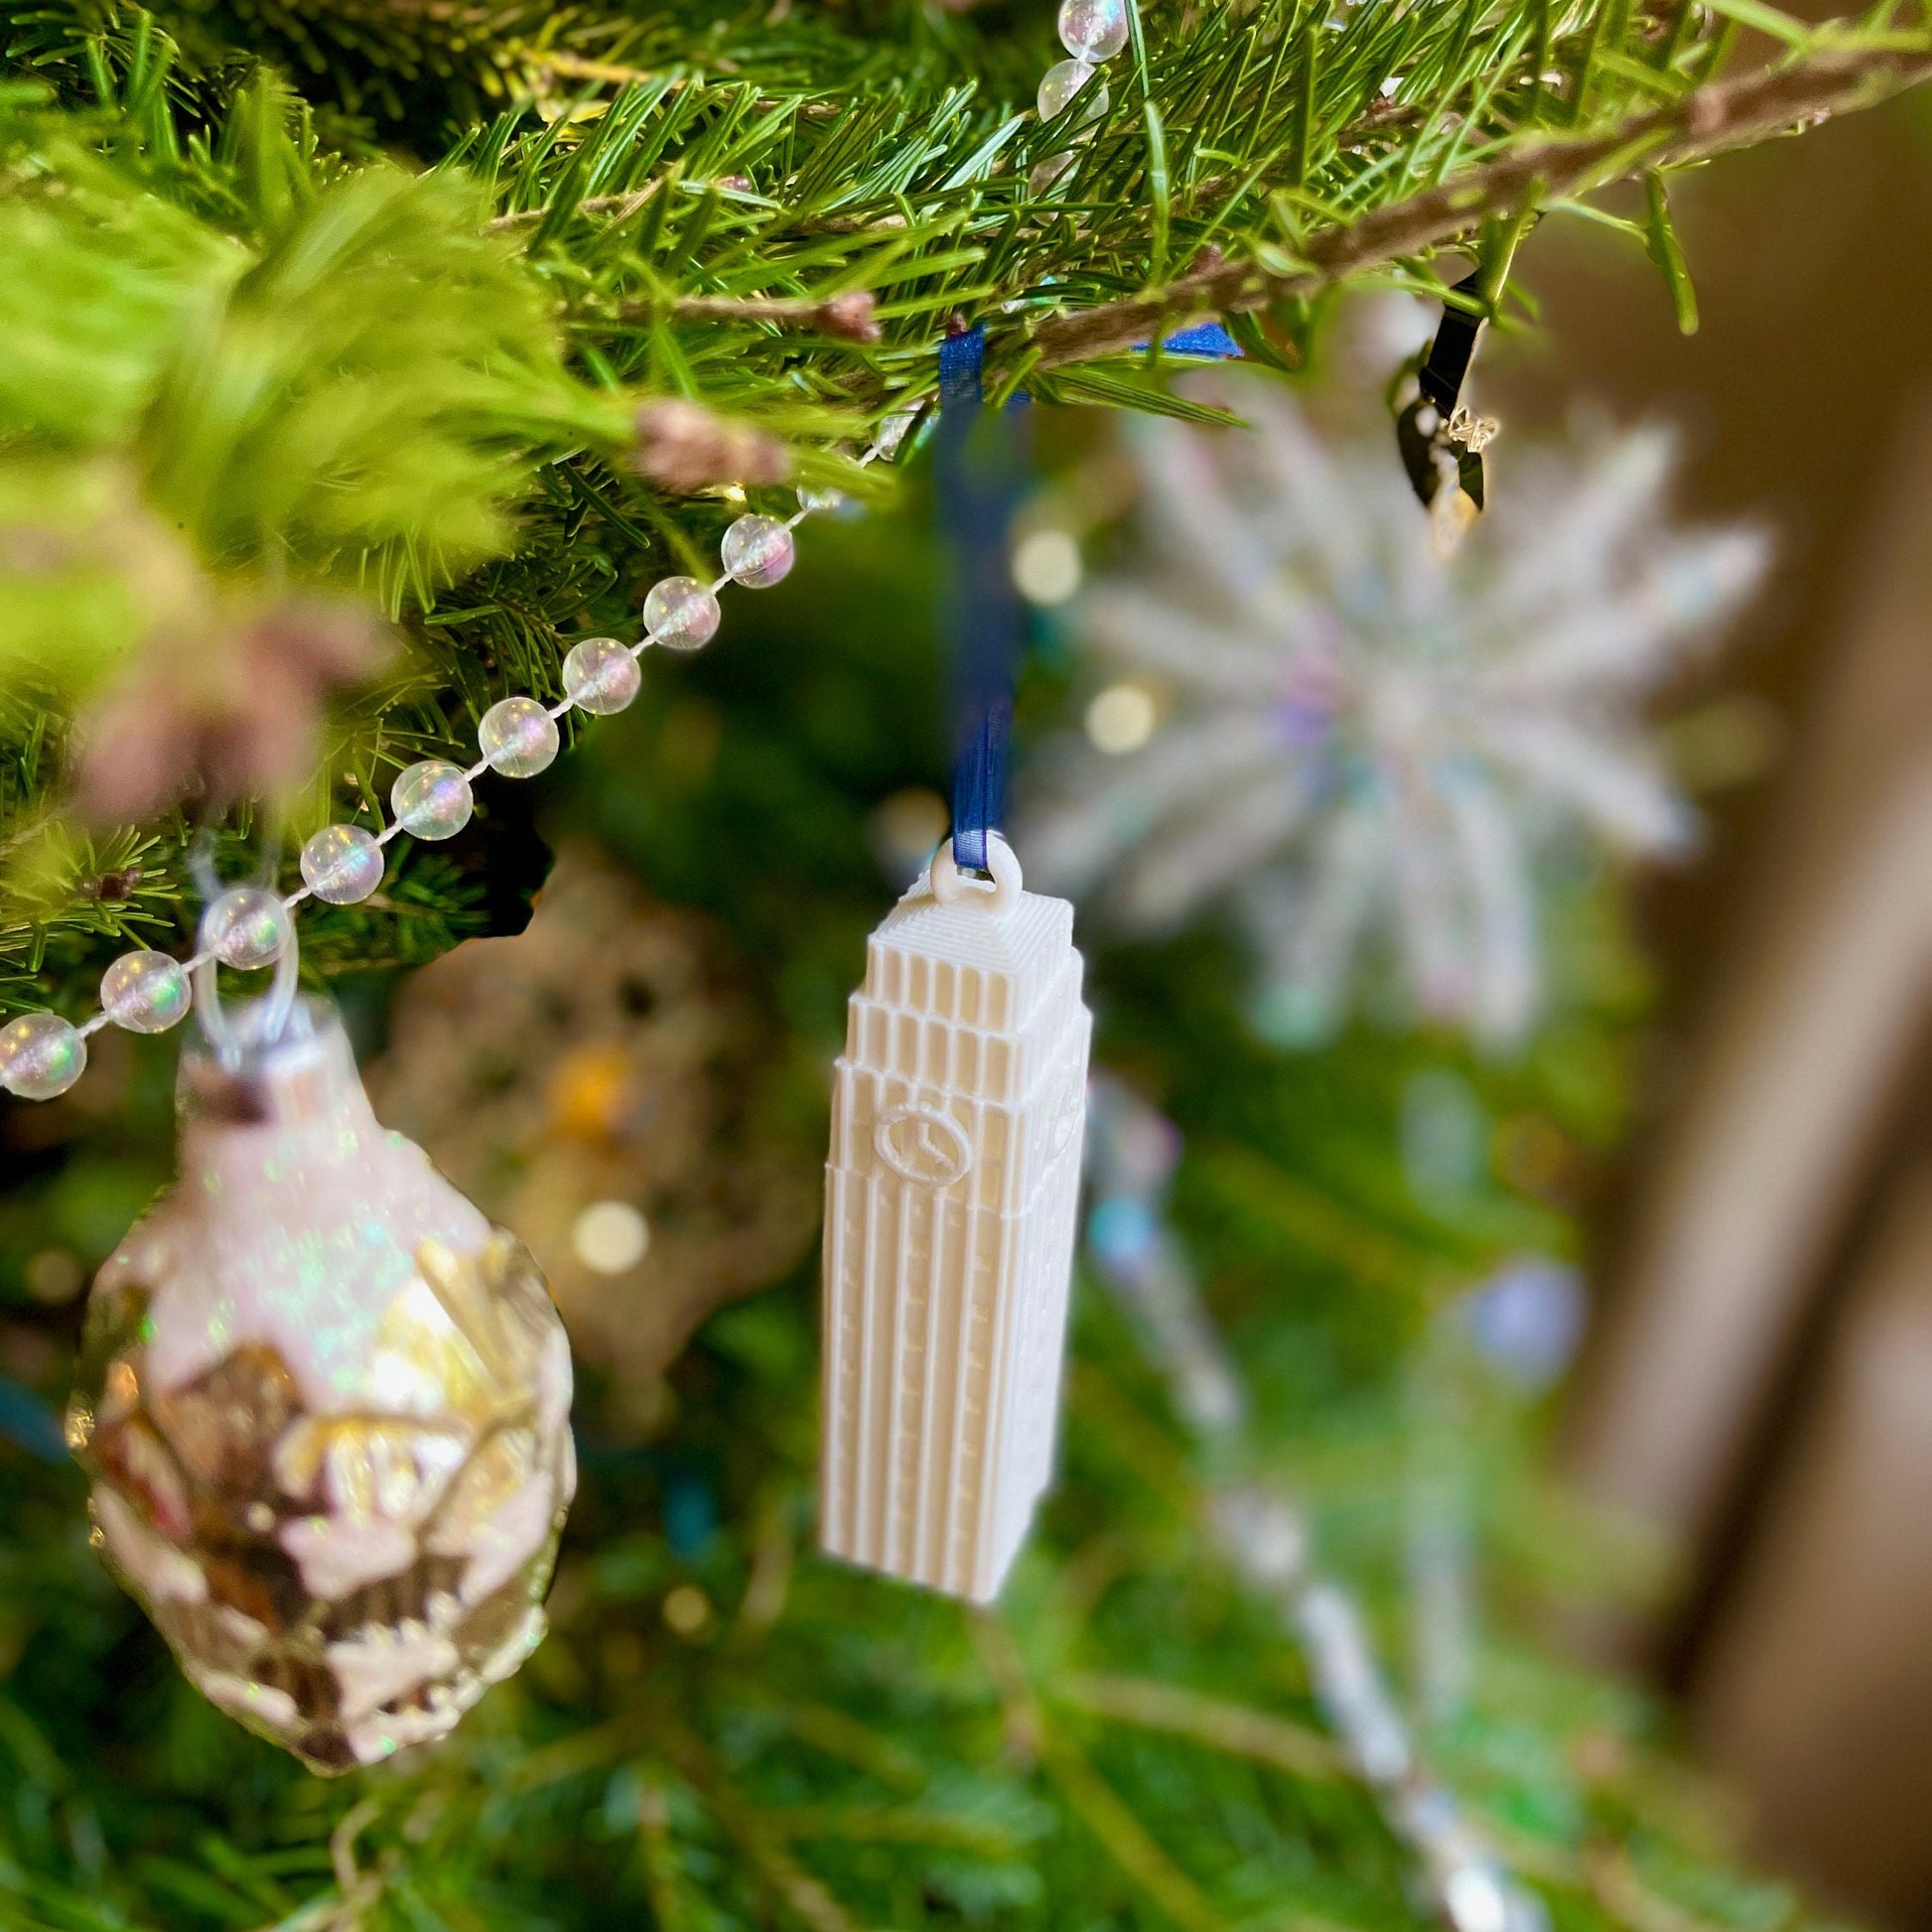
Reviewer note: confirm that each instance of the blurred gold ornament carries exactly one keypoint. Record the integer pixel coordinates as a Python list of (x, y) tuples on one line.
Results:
[(600, 1077), (325, 1409)]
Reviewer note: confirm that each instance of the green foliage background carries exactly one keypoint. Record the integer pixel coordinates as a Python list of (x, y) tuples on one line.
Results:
[(363, 296), (836, 1750)]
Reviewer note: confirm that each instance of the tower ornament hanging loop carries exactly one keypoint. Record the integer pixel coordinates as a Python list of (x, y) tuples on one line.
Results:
[(997, 894)]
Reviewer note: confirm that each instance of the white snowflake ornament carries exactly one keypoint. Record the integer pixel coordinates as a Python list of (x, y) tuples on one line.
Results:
[(1363, 745)]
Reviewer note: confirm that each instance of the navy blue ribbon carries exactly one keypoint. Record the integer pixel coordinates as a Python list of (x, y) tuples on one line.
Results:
[(1207, 339), (978, 467), (978, 470)]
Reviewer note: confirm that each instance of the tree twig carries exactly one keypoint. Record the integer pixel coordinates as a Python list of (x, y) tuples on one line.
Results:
[(1705, 122), (663, 1872), (553, 62), (805, 1895), (620, 206), (848, 316), (1125, 1839), (1214, 1722)]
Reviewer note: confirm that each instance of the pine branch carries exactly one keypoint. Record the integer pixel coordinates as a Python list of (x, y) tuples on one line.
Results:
[(1223, 1726), (880, 153), (804, 1896), (1126, 1841), (1705, 122)]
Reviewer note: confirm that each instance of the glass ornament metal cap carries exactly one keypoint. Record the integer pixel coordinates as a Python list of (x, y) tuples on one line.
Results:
[(324, 1405)]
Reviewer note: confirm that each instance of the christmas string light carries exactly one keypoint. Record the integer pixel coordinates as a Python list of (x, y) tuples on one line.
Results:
[(1133, 1150), (42, 1054)]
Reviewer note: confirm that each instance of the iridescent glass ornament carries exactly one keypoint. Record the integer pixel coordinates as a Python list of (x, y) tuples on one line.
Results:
[(324, 1407)]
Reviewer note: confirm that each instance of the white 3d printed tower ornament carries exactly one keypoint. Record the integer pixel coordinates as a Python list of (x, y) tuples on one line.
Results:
[(950, 1200)]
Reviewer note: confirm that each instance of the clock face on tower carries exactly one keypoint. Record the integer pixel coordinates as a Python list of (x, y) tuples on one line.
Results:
[(923, 1145)]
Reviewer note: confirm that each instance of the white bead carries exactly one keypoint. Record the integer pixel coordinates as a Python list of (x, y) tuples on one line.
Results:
[(601, 677), (891, 432), (145, 992), (758, 551), (431, 799), (1093, 30), (1062, 81), (819, 499), (246, 927), (41, 1055), (680, 613), (341, 864), (518, 738), (1044, 173)]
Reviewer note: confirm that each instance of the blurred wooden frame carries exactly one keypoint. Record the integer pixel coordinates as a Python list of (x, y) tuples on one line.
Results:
[(1730, 1403)]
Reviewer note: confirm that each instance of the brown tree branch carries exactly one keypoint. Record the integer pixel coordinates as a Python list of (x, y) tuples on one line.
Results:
[(848, 317), (1705, 122), (1214, 1722), (620, 206), (549, 62)]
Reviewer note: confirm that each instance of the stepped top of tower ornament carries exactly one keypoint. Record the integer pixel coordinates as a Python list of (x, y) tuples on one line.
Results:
[(961, 960)]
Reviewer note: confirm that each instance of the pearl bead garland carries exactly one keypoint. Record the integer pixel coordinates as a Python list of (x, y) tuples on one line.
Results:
[(601, 677), (1061, 82), (1091, 31), (43, 1054), (758, 552), (248, 926), (680, 613), (518, 738)]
